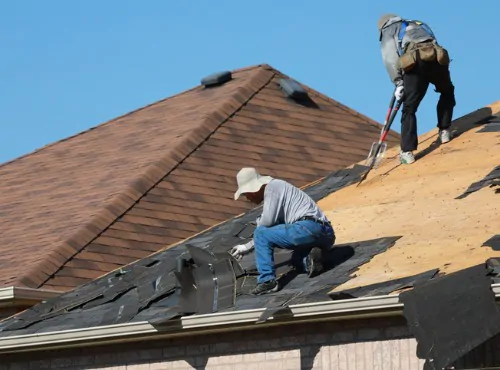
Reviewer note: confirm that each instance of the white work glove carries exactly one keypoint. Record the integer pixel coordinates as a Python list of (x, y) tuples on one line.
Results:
[(399, 92), (240, 250)]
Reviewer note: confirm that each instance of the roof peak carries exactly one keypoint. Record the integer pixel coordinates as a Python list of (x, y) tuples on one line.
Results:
[(154, 172), (111, 121), (151, 178)]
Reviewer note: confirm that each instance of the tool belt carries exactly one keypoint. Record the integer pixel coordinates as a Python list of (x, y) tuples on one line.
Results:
[(323, 223), (427, 51)]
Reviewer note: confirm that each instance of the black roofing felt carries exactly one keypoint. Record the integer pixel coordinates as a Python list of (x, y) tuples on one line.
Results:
[(385, 287), (199, 276), (491, 180), (453, 314), (493, 243), (493, 125)]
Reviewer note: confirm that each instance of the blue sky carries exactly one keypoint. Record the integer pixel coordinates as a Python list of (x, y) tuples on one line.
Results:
[(67, 66)]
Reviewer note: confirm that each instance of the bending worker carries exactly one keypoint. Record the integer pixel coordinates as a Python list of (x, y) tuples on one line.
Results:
[(290, 219), (414, 59)]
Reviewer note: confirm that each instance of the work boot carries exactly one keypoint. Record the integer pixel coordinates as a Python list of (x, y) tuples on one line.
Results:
[(314, 262), (269, 286), (444, 136), (406, 157)]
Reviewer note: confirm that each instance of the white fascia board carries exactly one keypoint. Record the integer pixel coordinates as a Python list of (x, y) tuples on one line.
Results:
[(76, 335), (140, 329), (361, 307), (6, 293), (12, 294), (387, 302), (300, 310)]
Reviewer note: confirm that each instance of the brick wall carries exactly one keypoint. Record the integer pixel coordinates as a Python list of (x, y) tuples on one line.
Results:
[(378, 345)]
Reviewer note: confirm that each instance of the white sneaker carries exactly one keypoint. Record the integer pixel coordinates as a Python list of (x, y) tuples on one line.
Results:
[(444, 136), (406, 157)]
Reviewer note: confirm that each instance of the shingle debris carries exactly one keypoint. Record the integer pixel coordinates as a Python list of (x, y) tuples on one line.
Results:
[(385, 287), (493, 242), (493, 125), (491, 180), (447, 315), (150, 288)]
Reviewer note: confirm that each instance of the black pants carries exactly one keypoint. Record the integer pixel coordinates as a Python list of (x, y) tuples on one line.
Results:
[(416, 83)]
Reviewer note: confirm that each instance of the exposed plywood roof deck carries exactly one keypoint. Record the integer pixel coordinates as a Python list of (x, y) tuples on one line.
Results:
[(418, 203)]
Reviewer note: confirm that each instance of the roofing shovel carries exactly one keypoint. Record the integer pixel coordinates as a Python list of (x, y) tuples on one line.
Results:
[(378, 149)]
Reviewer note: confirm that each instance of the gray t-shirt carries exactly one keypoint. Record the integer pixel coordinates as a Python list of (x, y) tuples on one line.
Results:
[(285, 204)]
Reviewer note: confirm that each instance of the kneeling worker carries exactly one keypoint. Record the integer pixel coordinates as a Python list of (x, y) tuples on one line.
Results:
[(290, 219)]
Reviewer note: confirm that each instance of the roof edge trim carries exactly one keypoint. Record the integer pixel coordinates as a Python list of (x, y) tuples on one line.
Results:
[(17, 296), (151, 176), (366, 307)]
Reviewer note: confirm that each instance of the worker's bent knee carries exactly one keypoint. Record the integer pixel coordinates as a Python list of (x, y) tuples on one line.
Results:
[(448, 99), (410, 109), (447, 89)]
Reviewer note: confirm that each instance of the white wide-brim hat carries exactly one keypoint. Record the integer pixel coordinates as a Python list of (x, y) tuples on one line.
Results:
[(250, 181)]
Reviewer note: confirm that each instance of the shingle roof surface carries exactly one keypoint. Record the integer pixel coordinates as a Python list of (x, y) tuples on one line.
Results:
[(374, 239), (79, 208), (147, 290)]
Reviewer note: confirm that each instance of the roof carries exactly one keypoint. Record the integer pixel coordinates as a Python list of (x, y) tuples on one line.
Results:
[(79, 208), (154, 288), (375, 243), (443, 225)]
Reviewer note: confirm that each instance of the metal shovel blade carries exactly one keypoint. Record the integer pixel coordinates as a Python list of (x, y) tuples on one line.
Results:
[(379, 154)]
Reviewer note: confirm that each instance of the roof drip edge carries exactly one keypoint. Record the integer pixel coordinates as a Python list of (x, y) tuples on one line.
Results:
[(365, 307)]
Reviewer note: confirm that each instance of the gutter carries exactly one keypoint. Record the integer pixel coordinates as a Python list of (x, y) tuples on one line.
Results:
[(13, 296), (367, 307)]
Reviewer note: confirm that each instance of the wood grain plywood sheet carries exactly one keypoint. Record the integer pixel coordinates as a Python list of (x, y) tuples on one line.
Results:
[(418, 202)]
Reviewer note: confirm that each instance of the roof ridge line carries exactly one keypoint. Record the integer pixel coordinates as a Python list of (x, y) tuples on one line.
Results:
[(120, 117), (248, 68), (97, 126), (152, 175)]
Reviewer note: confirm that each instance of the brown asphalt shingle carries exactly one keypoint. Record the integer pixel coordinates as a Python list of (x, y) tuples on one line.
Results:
[(91, 203)]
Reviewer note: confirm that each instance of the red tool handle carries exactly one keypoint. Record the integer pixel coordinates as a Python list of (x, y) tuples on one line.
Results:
[(391, 105), (391, 119)]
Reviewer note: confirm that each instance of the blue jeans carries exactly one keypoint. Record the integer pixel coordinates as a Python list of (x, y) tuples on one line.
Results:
[(300, 237)]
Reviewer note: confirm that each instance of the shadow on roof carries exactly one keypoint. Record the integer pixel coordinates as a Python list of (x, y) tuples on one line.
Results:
[(458, 128)]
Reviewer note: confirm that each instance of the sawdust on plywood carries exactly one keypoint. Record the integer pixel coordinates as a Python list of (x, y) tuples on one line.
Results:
[(418, 203)]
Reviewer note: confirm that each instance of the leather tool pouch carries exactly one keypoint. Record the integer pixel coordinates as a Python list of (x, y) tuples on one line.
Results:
[(442, 56), (408, 60), (427, 52)]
